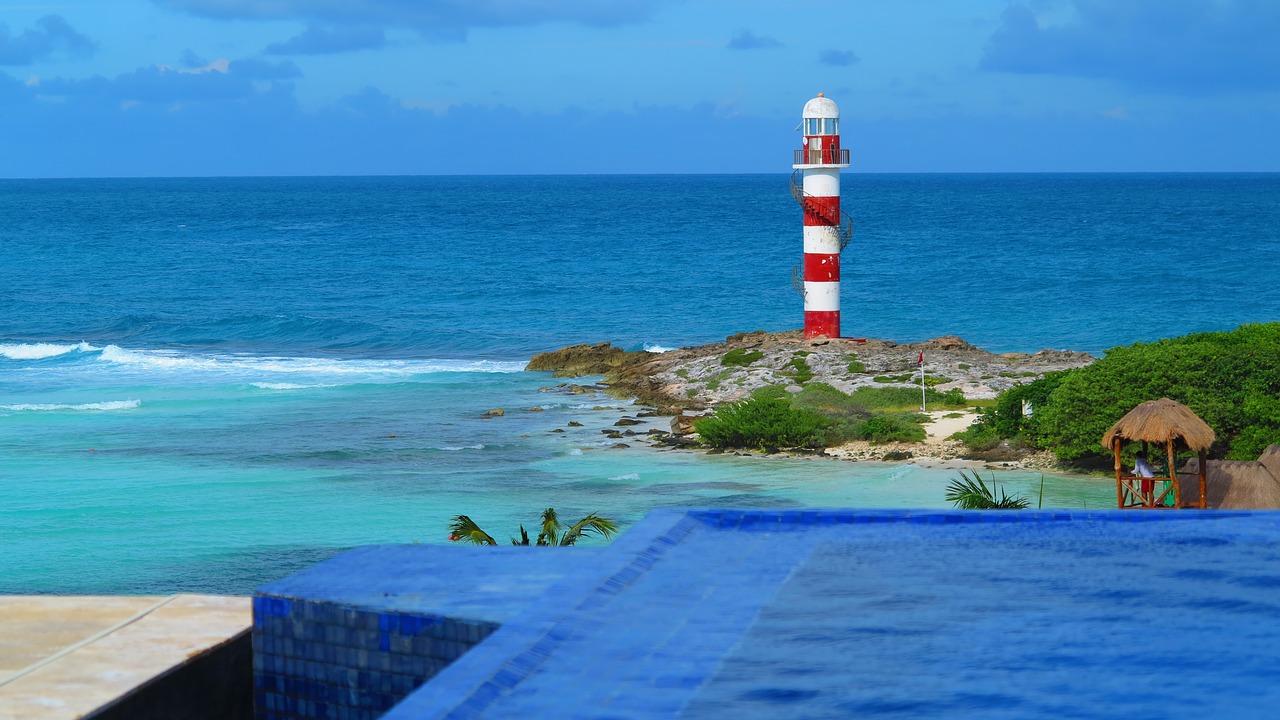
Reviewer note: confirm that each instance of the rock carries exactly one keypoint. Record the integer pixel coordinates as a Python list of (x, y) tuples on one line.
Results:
[(573, 423), (612, 434), (496, 412), (683, 424), (623, 422), (793, 389), (948, 342), (619, 446), (558, 430), (533, 409), (893, 455), (577, 360)]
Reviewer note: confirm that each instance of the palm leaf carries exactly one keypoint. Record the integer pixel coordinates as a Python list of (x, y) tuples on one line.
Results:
[(465, 529), (550, 527), (588, 525), (524, 537), (971, 493)]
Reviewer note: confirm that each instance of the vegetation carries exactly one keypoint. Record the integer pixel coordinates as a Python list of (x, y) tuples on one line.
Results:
[(463, 528), (740, 357), (971, 493), (1230, 379), (764, 422), (904, 377), (883, 398), (820, 416), (856, 367), (800, 370), (887, 428)]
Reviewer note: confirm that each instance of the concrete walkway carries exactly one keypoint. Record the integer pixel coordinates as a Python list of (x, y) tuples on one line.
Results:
[(64, 657)]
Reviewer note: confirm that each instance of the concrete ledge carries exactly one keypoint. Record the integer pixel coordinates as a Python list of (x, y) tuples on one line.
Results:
[(71, 657)]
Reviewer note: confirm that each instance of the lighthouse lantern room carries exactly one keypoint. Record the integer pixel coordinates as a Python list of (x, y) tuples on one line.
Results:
[(815, 184)]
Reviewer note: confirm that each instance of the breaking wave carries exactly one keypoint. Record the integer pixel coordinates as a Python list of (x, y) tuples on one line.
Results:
[(44, 407), (40, 351)]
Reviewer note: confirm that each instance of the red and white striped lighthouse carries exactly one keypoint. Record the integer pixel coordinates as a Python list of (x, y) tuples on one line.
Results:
[(816, 186)]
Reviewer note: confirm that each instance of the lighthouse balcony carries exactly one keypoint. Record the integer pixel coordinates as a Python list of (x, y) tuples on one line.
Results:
[(821, 158)]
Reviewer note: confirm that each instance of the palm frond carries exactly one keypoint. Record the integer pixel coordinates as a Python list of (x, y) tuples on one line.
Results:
[(588, 525), (550, 528), (465, 529), (524, 537), (971, 493)]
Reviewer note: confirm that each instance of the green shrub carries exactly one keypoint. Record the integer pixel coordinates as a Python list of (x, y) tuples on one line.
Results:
[(880, 429), (905, 377), (856, 367), (936, 380), (823, 398), (800, 370), (978, 437), (1230, 379), (740, 357), (770, 391), (761, 422), (899, 397)]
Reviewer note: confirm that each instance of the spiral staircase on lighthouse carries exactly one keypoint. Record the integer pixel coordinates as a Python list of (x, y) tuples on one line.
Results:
[(843, 223)]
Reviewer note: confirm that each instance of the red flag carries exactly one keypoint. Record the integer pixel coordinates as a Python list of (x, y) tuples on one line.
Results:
[(921, 360)]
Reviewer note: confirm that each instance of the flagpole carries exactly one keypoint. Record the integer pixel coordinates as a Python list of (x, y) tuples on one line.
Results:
[(923, 405)]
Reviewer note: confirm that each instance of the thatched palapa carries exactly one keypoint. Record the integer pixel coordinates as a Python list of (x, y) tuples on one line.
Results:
[(1159, 421), (1166, 423), (1235, 484)]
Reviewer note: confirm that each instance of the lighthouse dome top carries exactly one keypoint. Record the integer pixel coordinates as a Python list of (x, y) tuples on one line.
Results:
[(821, 107)]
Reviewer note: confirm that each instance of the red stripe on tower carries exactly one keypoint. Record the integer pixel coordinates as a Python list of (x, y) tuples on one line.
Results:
[(819, 162)]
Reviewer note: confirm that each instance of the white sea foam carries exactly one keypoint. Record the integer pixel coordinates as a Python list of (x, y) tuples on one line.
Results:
[(168, 360), (40, 351), (656, 348), (284, 386), (455, 448), (628, 476), (41, 407)]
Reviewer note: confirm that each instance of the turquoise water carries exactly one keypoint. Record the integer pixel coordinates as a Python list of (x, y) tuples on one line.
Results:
[(200, 380)]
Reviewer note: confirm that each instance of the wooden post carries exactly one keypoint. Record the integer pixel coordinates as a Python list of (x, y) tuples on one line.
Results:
[(1173, 476), (1147, 500), (1204, 484), (1115, 445)]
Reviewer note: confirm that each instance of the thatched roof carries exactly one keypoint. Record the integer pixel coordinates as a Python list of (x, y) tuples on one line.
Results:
[(1159, 421), (1271, 459), (1232, 484)]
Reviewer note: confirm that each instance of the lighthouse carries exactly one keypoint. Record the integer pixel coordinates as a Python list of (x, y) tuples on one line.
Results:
[(815, 184)]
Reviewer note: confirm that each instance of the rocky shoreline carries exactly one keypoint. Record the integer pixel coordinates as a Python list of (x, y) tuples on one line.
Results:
[(694, 380)]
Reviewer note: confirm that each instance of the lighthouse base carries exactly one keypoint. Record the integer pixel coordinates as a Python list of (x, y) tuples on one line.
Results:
[(821, 324)]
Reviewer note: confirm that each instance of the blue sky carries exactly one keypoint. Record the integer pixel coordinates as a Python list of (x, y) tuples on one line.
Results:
[(353, 87)]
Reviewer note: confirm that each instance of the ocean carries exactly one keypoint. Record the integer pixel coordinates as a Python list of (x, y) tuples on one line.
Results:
[(206, 384)]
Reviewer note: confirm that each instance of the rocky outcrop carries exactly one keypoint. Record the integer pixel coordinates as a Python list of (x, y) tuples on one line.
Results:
[(578, 360), (697, 378)]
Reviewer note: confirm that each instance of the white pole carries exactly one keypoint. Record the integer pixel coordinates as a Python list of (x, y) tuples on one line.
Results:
[(923, 405)]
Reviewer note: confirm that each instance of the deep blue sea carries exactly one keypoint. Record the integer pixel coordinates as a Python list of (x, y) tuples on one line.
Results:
[(208, 383)]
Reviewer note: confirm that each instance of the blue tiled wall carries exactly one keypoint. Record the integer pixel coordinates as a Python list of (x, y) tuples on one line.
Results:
[(321, 659)]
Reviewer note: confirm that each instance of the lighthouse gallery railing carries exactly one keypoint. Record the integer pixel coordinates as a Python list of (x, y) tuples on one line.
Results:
[(821, 157)]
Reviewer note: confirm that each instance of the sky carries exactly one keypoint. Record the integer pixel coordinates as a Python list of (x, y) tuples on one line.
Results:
[(152, 88)]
